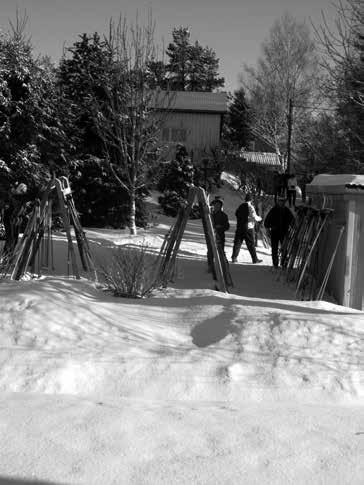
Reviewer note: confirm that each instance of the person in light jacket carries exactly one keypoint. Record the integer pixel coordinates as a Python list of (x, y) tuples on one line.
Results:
[(291, 190), (246, 217)]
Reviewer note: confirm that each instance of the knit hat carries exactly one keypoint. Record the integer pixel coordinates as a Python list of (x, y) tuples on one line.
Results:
[(218, 198)]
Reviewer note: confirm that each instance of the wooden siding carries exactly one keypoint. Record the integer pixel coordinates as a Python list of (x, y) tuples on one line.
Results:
[(202, 130)]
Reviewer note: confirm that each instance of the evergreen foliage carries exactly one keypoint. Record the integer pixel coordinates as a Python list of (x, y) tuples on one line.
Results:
[(237, 132), (84, 77), (33, 143), (190, 67), (175, 183)]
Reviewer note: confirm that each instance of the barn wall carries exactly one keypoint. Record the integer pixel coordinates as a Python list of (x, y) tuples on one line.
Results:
[(202, 130)]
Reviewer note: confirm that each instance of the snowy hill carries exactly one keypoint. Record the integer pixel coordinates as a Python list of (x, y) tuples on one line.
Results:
[(191, 386)]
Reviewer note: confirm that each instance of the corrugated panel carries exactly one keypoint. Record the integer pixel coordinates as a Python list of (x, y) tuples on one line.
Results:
[(354, 186), (192, 101), (261, 158)]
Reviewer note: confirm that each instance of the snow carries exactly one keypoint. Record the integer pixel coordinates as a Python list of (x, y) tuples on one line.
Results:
[(190, 386), (337, 179)]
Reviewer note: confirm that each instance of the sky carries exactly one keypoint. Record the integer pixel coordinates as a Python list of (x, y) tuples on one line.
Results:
[(235, 29)]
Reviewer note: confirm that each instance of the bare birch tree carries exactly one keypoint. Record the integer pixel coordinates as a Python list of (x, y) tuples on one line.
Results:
[(287, 70), (343, 61), (343, 49), (126, 118)]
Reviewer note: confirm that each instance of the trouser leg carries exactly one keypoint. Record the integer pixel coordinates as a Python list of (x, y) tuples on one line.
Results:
[(249, 239), (284, 255), (291, 197), (238, 240), (220, 242), (294, 198), (275, 244)]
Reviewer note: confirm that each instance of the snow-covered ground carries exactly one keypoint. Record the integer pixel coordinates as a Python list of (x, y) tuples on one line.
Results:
[(191, 386)]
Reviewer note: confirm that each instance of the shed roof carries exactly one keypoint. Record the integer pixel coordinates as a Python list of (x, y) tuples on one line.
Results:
[(343, 184), (192, 101), (261, 158), (348, 181)]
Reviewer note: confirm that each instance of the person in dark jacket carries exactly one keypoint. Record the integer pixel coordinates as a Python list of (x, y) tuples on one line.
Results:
[(246, 217), (278, 220), (278, 184), (220, 222)]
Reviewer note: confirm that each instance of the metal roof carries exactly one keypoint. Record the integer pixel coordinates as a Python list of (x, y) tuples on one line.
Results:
[(192, 101), (261, 158)]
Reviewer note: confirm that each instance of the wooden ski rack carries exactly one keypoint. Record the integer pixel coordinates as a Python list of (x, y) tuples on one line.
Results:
[(31, 245), (170, 247)]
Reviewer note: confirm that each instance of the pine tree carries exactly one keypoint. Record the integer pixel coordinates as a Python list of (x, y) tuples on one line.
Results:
[(32, 139), (83, 76), (191, 67), (237, 131), (179, 53)]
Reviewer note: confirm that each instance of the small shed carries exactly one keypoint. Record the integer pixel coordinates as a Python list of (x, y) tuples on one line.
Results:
[(344, 194), (193, 119)]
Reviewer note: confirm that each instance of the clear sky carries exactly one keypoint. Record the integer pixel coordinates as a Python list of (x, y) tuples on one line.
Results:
[(235, 29)]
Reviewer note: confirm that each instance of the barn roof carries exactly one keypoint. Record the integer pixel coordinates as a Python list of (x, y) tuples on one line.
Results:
[(261, 158), (192, 101)]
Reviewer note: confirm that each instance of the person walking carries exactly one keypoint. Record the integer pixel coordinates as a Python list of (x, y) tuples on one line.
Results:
[(278, 184), (278, 220), (291, 190), (220, 222), (246, 217)]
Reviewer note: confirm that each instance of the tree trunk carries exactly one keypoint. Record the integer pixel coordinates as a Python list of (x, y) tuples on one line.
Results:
[(132, 227)]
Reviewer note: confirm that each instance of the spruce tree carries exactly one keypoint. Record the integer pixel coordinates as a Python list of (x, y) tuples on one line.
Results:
[(191, 67), (237, 131), (32, 140)]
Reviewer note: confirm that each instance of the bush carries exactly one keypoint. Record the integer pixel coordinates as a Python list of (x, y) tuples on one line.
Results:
[(130, 272), (99, 199), (171, 202), (175, 183)]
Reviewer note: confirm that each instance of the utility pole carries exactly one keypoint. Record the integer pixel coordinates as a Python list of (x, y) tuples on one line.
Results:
[(289, 138)]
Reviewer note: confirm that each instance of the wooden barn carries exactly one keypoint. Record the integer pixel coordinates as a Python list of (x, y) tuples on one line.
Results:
[(193, 119)]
